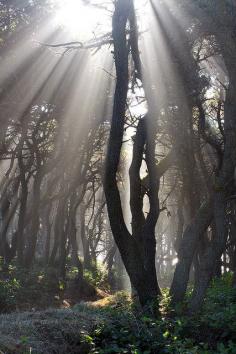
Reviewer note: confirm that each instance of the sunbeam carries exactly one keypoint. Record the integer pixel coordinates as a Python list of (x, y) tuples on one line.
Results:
[(83, 19)]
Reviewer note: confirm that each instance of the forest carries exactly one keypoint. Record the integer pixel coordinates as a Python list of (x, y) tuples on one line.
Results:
[(118, 176)]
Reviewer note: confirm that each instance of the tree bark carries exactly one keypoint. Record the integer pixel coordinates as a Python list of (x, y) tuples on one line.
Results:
[(187, 249), (127, 244)]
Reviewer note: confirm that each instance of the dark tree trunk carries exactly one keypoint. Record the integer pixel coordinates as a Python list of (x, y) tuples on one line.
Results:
[(138, 256), (224, 185), (33, 230), (63, 236), (48, 227), (72, 231), (85, 239), (22, 213), (7, 218), (58, 229), (187, 249)]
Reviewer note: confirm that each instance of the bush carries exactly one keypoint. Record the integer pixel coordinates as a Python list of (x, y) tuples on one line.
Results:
[(9, 289), (127, 330), (21, 289), (219, 310), (97, 276)]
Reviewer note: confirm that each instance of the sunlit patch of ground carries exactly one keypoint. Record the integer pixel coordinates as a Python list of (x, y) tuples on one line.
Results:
[(121, 298), (106, 301)]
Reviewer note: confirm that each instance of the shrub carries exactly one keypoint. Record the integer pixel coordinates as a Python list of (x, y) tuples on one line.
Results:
[(9, 289)]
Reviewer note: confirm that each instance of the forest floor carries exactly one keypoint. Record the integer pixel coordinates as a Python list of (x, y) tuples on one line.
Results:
[(114, 324)]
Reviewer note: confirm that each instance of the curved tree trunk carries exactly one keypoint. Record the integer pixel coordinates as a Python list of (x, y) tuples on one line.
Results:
[(139, 248)]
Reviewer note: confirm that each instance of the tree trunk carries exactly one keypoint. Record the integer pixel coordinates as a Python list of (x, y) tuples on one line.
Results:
[(188, 248), (224, 185), (139, 261), (22, 215), (48, 227), (33, 230)]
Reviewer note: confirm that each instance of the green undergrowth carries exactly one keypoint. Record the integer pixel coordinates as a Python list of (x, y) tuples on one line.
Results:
[(126, 329), (117, 325), (40, 288), (24, 290)]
